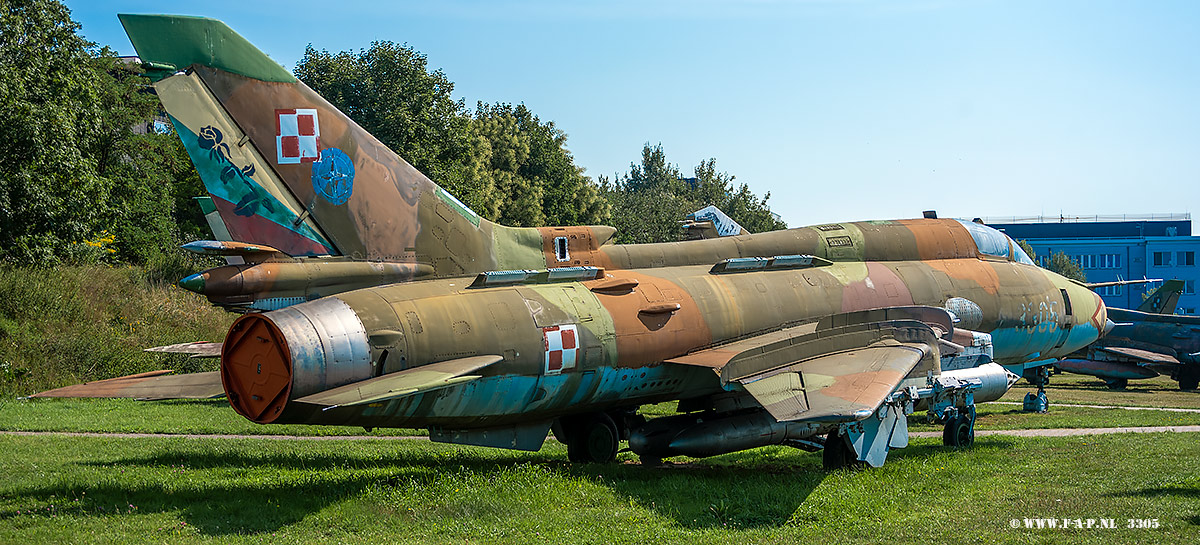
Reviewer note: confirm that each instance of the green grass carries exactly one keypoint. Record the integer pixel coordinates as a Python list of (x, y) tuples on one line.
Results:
[(216, 417), (1082, 389), (67, 325), (175, 490)]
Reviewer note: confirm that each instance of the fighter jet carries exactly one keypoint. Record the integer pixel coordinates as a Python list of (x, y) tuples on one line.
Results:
[(1145, 343), (374, 298)]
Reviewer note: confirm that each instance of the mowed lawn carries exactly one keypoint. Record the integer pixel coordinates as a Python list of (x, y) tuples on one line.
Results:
[(1159, 391), (185, 490), (60, 489)]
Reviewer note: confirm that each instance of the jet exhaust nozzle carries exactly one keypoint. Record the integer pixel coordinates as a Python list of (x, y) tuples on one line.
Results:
[(271, 358)]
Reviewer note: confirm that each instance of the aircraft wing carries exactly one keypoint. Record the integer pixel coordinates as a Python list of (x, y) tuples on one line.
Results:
[(835, 374), (147, 386), (403, 383), (1135, 355), (197, 349)]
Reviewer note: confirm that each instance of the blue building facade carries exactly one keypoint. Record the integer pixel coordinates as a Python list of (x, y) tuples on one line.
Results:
[(1118, 248)]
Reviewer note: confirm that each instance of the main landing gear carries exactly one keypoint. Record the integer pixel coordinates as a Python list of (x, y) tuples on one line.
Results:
[(593, 437), (1189, 376), (959, 430)]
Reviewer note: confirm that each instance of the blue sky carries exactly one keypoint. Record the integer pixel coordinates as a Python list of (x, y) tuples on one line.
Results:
[(843, 111)]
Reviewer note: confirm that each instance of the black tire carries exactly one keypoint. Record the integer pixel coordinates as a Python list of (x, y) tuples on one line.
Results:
[(1117, 383), (592, 439), (958, 432), (949, 433), (837, 453), (1189, 377)]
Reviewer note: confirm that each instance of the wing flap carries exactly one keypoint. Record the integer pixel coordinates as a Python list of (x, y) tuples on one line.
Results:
[(403, 383), (153, 385)]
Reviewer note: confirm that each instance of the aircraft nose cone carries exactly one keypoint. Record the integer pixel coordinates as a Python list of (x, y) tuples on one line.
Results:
[(1108, 326), (193, 283)]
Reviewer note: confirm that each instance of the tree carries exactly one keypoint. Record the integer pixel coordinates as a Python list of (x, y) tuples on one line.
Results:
[(75, 176), (49, 109), (1059, 263), (653, 197), (389, 91), (500, 160)]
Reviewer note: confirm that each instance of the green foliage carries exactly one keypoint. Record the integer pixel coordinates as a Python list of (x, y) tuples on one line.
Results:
[(42, 342), (1059, 263), (80, 165), (524, 174), (388, 90), (653, 198), (501, 160)]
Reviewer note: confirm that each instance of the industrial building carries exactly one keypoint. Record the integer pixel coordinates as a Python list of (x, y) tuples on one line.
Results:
[(1121, 247)]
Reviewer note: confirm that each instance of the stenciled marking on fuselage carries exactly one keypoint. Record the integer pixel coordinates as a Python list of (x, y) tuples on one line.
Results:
[(1039, 316)]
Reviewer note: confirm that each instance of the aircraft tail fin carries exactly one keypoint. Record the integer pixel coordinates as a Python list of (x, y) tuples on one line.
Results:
[(1163, 299), (287, 169)]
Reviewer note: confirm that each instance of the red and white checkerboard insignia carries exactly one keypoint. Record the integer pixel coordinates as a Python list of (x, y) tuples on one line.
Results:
[(562, 343), (297, 136)]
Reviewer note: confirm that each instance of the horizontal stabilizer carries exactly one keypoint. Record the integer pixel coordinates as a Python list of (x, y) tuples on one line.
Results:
[(403, 383), (147, 386), (197, 349)]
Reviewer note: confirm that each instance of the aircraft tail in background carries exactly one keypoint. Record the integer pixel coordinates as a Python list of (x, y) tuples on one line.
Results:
[(1163, 299)]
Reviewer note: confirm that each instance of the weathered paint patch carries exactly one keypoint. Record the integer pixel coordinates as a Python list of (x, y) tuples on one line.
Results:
[(880, 288)]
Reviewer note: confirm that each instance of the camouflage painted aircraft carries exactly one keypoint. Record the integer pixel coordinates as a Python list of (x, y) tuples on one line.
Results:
[(1144, 343), (397, 306)]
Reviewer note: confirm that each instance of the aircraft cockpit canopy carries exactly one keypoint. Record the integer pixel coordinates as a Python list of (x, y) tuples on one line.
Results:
[(992, 242)]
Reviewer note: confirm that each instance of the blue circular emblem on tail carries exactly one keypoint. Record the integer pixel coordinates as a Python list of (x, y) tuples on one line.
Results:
[(333, 175)]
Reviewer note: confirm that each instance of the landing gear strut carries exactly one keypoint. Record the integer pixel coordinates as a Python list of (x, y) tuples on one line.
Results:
[(1116, 383), (1038, 403)]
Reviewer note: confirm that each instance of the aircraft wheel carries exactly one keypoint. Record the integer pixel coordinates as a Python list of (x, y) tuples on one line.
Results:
[(837, 453), (958, 432), (1189, 378), (592, 439), (1117, 383)]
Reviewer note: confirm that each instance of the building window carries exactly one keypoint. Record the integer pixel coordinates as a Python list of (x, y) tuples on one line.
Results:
[(1110, 291), (1189, 287), (1185, 259), (1191, 311), (1162, 259)]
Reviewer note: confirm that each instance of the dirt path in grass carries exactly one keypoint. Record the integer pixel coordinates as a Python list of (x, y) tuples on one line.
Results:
[(1052, 405), (1057, 432), (1063, 432)]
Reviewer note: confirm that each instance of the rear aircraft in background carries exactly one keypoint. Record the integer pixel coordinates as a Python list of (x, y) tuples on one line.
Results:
[(1144, 343), (374, 298)]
